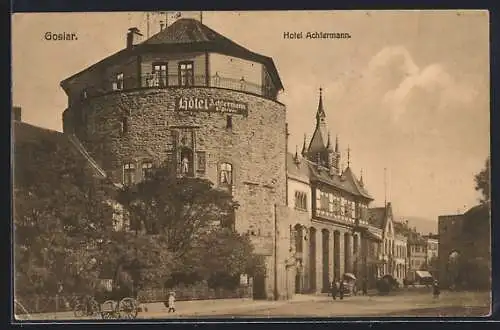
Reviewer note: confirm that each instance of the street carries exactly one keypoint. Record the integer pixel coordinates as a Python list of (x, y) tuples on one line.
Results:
[(410, 304)]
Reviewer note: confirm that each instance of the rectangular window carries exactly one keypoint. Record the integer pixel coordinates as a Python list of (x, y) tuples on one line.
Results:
[(128, 174), (300, 200), (229, 122), (147, 170), (318, 200), (124, 126), (118, 83), (226, 174), (201, 157), (186, 74), (160, 75)]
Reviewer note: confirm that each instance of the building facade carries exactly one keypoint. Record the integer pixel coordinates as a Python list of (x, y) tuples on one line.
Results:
[(393, 249), (329, 213), (432, 254), (196, 102)]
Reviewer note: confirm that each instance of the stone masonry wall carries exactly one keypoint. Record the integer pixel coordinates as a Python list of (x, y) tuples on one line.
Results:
[(255, 145)]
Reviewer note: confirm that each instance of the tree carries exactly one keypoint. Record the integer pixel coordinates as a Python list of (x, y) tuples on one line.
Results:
[(178, 209), (196, 224), (59, 207), (219, 257), (482, 180)]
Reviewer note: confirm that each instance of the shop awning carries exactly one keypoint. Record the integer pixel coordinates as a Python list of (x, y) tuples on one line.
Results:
[(423, 274)]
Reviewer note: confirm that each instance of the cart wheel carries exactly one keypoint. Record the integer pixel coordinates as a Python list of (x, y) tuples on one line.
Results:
[(108, 310), (127, 307)]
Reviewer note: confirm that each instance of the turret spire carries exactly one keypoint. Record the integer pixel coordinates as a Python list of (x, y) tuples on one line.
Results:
[(296, 156), (361, 178), (329, 144), (320, 115), (337, 143), (304, 147)]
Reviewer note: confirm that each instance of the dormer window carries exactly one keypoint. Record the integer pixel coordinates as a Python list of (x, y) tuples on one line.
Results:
[(186, 74), (160, 75)]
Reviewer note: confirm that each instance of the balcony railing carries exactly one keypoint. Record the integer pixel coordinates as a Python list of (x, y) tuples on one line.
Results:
[(158, 80)]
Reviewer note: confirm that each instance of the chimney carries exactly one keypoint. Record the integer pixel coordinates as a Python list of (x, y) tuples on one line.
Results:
[(16, 113), (134, 37)]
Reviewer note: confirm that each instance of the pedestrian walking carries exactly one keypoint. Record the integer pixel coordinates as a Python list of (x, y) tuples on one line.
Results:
[(364, 287), (171, 302), (435, 290), (341, 289), (334, 289)]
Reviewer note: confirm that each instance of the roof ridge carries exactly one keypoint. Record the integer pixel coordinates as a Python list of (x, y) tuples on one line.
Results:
[(38, 127)]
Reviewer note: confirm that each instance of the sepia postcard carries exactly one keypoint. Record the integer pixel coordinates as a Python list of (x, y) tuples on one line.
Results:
[(255, 164)]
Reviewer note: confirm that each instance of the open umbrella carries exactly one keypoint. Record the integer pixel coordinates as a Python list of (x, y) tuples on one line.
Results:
[(350, 275)]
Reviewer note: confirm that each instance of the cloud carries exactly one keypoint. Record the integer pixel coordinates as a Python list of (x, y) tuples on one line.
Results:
[(437, 89)]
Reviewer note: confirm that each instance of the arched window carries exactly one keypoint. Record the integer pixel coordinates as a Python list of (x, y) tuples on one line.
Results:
[(226, 174)]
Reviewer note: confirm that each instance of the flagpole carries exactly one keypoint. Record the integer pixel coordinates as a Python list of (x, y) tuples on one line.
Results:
[(385, 187)]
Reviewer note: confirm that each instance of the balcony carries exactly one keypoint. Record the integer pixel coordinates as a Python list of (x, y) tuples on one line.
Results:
[(159, 81)]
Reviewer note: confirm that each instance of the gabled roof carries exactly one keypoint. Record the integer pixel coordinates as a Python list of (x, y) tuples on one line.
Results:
[(351, 178), (377, 217), (190, 35), (23, 132), (306, 169)]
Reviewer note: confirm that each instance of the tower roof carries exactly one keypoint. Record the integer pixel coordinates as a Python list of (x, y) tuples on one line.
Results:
[(308, 170), (189, 35), (320, 136)]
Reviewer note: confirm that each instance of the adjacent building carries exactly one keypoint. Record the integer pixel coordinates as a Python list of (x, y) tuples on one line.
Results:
[(328, 212)]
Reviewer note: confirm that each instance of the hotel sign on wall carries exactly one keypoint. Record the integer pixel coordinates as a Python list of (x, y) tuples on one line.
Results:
[(209, 104)]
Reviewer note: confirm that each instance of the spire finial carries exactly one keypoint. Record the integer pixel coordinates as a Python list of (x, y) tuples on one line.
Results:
[(348, 156), (321, 112), (296, 156), (361, 178), (337, 143)]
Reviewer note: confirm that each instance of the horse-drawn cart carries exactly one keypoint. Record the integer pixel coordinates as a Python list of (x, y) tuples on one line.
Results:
[(118, 301)]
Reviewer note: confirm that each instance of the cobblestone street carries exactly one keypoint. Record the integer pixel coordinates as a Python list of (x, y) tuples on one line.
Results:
[(411, 304)]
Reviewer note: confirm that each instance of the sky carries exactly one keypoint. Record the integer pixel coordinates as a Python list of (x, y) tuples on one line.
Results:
[(408, 92)]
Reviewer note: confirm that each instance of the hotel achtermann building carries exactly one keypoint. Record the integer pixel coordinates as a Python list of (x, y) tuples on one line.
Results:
[(192, 99)]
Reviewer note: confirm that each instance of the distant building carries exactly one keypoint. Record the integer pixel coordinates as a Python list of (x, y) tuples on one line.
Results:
[(393, 244), (432, 254)]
